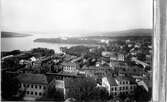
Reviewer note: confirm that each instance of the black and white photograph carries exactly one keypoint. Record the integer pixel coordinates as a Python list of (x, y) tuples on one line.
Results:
[(82, 50)]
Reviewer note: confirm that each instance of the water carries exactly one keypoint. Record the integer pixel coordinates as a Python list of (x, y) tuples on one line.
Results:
[(26, 43)]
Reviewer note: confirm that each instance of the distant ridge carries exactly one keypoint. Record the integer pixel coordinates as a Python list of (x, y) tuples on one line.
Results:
[(124, 33), (97, 37), (13, 34)]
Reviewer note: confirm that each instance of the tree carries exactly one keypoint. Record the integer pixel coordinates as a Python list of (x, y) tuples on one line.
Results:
[(55, 94), (141, 95), (43, 51), (85, 90), (10, 87), (81, 89)]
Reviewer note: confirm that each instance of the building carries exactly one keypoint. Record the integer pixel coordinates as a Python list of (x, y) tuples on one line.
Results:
[(122, 69), (94, 69), (70, 67), (118, 85), (97, 72), (120, 57), (139, 62), (114, 55), (63, 81), (130, 70), (33, 59), (33, 86)]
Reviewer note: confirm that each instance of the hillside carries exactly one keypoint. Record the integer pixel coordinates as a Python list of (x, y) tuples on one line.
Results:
[(97, 37), (125, 33), (12, 34)]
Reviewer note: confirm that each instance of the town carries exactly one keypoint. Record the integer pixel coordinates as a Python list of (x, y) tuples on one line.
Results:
[(114, 71)]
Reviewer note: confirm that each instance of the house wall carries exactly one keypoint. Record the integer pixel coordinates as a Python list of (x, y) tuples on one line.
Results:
[(69, 68), (124, 89), (34, 90), (106, 84)]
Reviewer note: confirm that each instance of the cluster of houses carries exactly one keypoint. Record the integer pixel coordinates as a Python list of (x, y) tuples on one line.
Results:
[(111, 72), (113, 76)]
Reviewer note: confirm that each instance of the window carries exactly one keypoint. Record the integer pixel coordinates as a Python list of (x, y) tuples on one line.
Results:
[(35, 93), (39, 86), (24, 85), (124, 69), (126, 87), (27, 92), (31, 86), (126, 82), (44, 87), (27, 85), (131, 87), (36, 86), (40, 94), (111, 89), (31, 93)]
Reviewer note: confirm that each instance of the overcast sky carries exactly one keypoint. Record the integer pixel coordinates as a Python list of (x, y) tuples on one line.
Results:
[(75, 15)]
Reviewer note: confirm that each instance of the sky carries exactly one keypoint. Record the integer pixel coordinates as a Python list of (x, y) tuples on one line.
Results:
[(53, 16)]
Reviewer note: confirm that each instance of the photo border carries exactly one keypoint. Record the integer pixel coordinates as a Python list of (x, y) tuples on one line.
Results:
[(159, 90)]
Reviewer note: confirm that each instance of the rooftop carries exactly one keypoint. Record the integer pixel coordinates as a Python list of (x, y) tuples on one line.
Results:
[(32, 78), (69, 64), (111, 80)]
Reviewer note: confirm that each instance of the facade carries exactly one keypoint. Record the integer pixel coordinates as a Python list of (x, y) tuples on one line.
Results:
[(70, 67), (113, 55), (33, 86), (118, 85), (63, 81), (121, 57), (97, 72)]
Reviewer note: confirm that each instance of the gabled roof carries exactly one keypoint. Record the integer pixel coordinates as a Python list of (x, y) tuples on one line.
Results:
[(111, 80), (69, 64), (130, 79), (65, 74), (96, 68), (32, 78)]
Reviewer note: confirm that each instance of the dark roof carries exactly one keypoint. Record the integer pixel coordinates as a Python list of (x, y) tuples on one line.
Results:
[(111, 80), (71, 83), (63, 74), (32, 78), (126, 78), (121, 78), (96, 68), (69, 64)]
